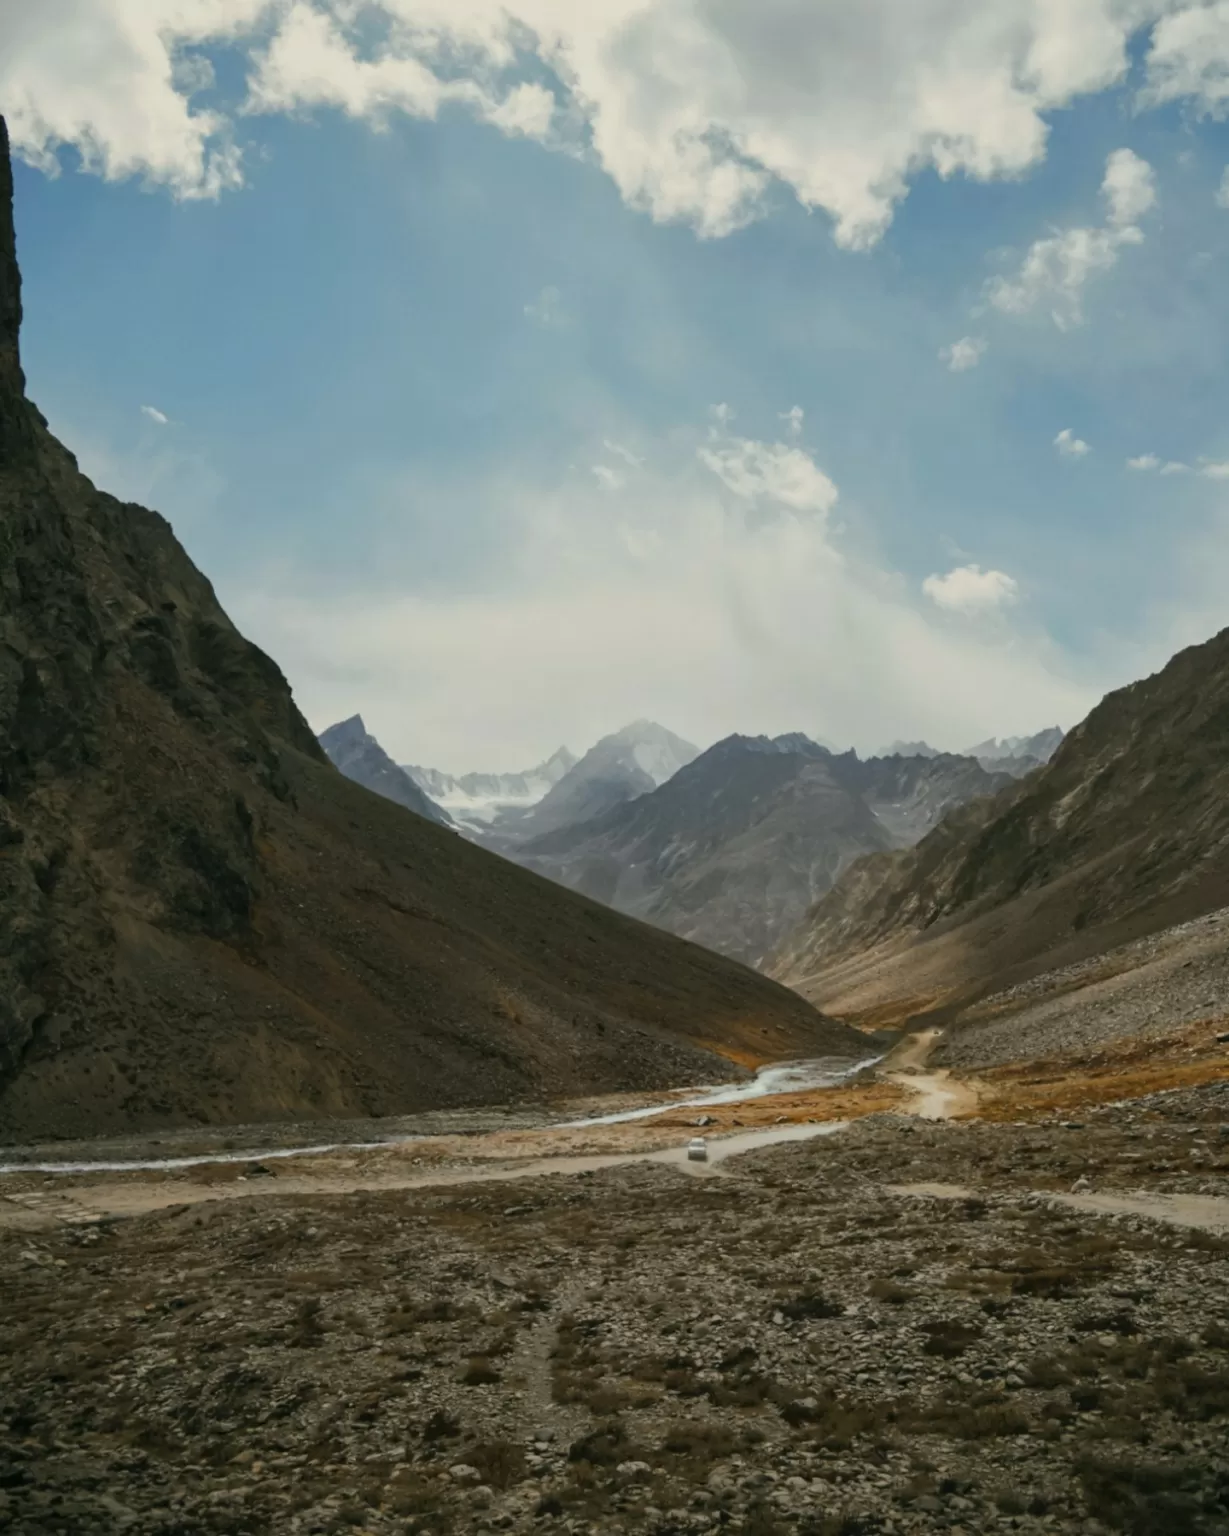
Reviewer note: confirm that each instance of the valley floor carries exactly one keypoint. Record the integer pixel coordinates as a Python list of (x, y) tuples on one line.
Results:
[(1018, 1322)]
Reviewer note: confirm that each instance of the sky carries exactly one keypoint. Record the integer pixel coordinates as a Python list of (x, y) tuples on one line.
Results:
[(517, 370)]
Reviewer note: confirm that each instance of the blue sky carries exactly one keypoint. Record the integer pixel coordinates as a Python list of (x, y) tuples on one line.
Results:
[(479, 419)]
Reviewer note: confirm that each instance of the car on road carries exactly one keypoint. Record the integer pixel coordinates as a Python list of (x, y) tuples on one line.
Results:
[(697, 1150)]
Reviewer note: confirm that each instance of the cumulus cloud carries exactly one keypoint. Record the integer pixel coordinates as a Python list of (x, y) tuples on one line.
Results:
[(694, 110), (1145, 462), (1057, 268), (793, 419), (1070, 446), (159, 418), (1189, 58), (963, 354), (970, 590), (1175, 467), (1212, 469), (713, 592)]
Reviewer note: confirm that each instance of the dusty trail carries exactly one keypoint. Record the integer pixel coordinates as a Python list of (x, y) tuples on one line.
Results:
[(937, 1095), (1204, 1213), (141, 1195)]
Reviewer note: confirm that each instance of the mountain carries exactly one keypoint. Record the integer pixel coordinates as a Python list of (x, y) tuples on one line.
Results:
[(912, 749), (1017, 755), (621, 767), (478, 800), (351, 748), (202, 920), (733, 849), (1124, 832)]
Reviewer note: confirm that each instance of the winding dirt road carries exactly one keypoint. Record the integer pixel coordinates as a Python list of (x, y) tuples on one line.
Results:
[(937, 1095)]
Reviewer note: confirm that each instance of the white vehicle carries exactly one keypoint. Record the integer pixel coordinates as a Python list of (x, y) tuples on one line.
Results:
[(697, 1150)]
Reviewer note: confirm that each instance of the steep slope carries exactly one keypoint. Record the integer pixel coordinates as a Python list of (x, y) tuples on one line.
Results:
[(735, 847), (202, 920), (351, 748), (621, 767), (1122, 833), (479, 800)]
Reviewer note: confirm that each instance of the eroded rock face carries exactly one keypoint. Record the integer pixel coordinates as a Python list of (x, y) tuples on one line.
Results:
[(200, 919)]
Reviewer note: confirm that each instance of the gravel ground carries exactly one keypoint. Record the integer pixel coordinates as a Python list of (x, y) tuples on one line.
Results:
[(786, 1348), (1145, 990)]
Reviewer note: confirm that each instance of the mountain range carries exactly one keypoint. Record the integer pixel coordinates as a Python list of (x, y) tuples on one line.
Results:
[(1124, 832), (479, 800), (203, 921), (732, 849)]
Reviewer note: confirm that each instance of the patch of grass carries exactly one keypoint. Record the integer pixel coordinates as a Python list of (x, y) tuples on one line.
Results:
[(809, 1304), (948, 1338), (888, 1290), (708, 1441), (1143, 1498), (479, 1373), (501, 1463)]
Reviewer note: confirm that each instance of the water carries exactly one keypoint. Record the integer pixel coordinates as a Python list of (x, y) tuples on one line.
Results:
[(789, 1077)]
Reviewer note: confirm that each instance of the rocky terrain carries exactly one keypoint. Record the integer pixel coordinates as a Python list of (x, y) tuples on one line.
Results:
[(735, 847), (1122, 834), (902, 1328), (203, 921), (353, 750)]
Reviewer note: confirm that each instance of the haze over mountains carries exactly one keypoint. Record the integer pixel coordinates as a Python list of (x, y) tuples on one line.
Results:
[(202, 920)]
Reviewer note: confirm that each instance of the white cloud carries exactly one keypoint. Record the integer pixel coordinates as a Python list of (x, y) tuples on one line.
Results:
[(1129, 188), (1070, 446), (771, 472), (155, 415), (970, 590), (1211, 469), (1222, 192), (1147, 462), (1057, 268), (611, 479), (1189, 58), (793, 419), (712, 593), (693, 109), (964, 354), (111, 77)]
